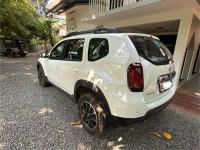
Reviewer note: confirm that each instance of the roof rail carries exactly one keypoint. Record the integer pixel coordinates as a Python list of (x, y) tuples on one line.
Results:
[(95, 31)]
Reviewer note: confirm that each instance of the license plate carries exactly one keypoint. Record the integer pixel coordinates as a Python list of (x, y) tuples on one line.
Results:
[(25, 51), (165, 85)]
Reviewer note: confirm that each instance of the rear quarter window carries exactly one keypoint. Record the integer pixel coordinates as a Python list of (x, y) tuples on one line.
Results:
[(152, 50), (8, 43), (98, 49)]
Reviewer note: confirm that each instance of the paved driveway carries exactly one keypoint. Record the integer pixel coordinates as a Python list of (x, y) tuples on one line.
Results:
[(32, 117)]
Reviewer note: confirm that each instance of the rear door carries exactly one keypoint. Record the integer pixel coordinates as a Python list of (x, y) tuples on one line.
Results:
[(71, 65), (158, 67)]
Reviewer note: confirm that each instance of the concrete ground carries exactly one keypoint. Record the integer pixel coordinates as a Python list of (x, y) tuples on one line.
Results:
[(187, 97), (33, 117)]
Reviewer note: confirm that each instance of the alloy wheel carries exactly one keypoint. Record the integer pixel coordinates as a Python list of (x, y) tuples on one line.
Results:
[(10, 54), (88, 115)]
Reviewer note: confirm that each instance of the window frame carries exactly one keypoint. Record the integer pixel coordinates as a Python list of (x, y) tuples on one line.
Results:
[(55, 47), (89, 59), (66, 50)]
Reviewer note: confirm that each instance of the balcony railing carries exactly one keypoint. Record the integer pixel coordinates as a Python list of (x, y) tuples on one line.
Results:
[(100, 6)]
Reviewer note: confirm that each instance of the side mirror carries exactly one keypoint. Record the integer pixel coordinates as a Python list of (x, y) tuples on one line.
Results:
[(44, 55)]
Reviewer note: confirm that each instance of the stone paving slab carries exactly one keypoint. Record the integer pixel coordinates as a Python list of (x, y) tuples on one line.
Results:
[(187, 97), (191, 87)]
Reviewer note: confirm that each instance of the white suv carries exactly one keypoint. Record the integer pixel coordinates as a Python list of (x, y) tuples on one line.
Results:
[(122, 78)]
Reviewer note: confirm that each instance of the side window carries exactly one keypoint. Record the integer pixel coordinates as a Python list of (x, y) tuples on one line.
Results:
[(8, 43), (74, 51), (98, 48), (57, 51)]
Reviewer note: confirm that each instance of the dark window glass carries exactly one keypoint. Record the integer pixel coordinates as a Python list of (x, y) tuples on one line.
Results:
[(56, 53), (21, 41), (98, 48), (74, 50), (152, 50), (7, 41)]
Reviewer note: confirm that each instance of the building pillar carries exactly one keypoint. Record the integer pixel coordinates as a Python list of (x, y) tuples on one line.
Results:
[(196, 32), (181, 42)]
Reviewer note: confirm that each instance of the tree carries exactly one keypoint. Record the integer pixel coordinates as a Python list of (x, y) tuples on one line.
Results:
[(47, 31), (40, 5), (19, 18)]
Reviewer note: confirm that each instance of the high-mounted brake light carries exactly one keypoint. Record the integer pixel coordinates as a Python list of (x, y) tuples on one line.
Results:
[(135, 77), (130, 35)]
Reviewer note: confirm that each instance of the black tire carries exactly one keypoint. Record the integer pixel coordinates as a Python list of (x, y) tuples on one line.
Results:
[(23, 54), (10, 54), (91, 114), (42, 79)]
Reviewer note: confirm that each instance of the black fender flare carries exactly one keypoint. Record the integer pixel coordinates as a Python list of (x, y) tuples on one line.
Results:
[(39, 65), (9, 49), (96, 90)]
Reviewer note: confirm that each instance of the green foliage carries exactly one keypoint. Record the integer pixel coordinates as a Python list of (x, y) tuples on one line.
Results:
[(19, 18), (43, 4)]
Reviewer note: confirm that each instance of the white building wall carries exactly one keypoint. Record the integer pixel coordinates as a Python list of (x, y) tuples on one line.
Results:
[(160, 17), (77, 15), (62, 31)]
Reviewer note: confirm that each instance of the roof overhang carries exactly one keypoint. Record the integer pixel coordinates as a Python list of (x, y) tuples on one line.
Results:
[(65, 5), (141, 9)]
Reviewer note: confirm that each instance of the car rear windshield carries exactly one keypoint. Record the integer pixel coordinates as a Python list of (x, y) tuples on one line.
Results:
[(152, 50)]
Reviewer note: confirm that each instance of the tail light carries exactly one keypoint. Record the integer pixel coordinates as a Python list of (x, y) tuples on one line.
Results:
[(135, 77)]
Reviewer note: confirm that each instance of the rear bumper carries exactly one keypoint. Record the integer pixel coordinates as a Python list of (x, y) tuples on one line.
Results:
[(126, 104), (130, 121)]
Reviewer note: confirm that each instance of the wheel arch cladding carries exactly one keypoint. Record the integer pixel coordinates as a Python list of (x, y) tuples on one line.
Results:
[(84, 86), (39, 65), (8, 49)]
